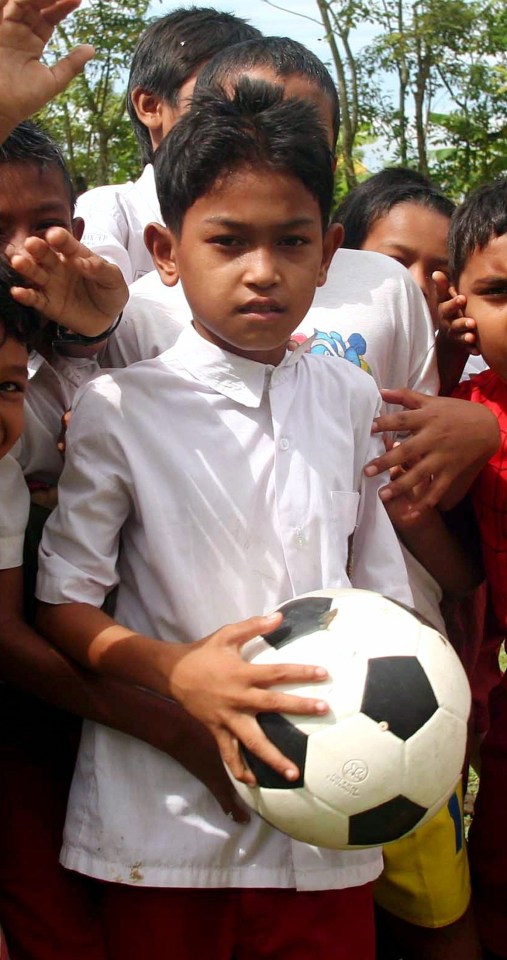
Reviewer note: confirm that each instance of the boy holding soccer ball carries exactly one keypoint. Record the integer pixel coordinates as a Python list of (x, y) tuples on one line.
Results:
[(221, 482)]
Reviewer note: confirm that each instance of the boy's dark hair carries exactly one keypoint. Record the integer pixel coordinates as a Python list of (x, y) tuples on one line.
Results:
[(29, 144), (17, 321), (172, 49), (256, 128), (482, 216), (375, 197), (285, 57)]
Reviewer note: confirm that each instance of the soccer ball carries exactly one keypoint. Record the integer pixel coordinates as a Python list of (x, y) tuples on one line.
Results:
[(390, 751)]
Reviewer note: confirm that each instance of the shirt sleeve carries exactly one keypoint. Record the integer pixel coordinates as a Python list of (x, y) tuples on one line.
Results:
[(377, 559), (106, 230), (14, 512), (79, 548)]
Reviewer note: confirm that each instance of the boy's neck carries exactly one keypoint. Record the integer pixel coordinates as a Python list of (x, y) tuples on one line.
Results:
[(270, 357)]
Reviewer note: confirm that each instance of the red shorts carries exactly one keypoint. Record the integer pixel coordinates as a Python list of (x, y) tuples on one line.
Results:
[(47, 913), (177, 924), (488, 836)]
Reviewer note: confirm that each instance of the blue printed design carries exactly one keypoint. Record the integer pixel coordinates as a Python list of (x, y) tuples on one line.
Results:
[(333, 345), (455, 814)]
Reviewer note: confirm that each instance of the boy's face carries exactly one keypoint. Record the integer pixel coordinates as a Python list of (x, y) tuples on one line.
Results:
[(249, 256), (484, 283), (31, 201), (13, 381), (416, 236)]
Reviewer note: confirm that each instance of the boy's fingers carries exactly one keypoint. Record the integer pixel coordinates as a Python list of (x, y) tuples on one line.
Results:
[(237, 634), (54, 11), (404, 397), (35, 271), (28, 297), (249, 733), (59, 239), (70, 66)]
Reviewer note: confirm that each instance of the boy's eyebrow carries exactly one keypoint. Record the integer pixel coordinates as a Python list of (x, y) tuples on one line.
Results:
[(15, 370), (286, 225)]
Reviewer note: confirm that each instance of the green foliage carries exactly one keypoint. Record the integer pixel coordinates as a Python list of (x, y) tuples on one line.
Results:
[(89, 119)]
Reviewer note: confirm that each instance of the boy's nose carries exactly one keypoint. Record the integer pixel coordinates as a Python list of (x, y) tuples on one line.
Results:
[(423, 279), (261, 269)]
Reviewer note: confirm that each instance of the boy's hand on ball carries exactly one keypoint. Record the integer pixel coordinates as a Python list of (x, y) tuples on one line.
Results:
[(214, 683)]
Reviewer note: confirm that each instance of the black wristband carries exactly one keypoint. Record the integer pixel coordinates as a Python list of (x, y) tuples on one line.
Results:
[(67, 336)]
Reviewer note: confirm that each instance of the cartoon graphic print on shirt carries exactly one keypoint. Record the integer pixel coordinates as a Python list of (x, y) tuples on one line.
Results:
[(333, 345)]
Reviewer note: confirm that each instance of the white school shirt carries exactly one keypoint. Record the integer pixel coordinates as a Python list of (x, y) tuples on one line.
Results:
[(49, 394), (234, 486), (14, 510), (115, 217), (369, 311)]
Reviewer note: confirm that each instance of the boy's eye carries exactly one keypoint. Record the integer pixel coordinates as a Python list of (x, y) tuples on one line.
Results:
[(224, 240), (293, 241), (40, 228), (495, 290), (10, 386)]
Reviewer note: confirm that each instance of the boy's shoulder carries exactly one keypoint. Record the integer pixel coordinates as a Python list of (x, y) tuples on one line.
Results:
[(338, 370), (486, 387)]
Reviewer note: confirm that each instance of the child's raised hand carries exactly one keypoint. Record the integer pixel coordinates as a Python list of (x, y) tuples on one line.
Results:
[(449, 442), (215, 685), (71, 284), (26, 84), (452, 324)]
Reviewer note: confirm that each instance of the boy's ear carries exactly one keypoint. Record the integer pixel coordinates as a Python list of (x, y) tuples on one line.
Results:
[(333, 239), (78, 226), (162, 246), (148, 108)]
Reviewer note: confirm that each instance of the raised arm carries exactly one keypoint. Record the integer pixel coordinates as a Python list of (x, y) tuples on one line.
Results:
[(70, 284), (26, 84)]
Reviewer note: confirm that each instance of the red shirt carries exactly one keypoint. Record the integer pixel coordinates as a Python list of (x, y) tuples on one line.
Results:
[(489, 492)]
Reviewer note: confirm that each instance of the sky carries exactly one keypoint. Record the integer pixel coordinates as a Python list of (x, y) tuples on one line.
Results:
[(302, 24)]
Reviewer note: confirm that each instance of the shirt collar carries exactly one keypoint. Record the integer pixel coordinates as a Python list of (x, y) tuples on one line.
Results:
[(238, 378)]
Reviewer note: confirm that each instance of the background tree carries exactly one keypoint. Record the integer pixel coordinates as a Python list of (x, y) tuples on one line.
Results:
[(89, 119), (450, 52)]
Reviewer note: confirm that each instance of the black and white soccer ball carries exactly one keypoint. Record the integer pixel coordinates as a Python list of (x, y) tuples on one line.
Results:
[(389, 753)]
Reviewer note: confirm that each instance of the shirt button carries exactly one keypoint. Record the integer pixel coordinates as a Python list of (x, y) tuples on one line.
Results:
[(299, 537), (284, 444)]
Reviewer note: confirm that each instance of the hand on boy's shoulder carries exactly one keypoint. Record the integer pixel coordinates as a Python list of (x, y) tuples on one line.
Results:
[(70, 284)]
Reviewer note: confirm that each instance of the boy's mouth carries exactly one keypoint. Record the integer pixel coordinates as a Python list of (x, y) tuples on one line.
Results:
[(263, 307)]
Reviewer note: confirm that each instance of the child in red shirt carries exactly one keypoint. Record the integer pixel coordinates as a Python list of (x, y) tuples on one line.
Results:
[(478, 261)]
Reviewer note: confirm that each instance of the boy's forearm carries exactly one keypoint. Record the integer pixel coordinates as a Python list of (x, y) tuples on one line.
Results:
[(31, 664), (439, 551), (100, 644)]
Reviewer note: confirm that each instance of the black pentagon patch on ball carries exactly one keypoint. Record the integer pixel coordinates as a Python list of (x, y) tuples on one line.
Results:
[(291, 741), (300, 617), (398, 693), (384, 823)]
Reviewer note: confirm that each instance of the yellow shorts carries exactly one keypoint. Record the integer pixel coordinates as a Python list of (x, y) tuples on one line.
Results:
[(426, 880)]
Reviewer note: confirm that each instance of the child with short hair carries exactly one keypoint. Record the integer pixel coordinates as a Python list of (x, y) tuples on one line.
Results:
[(398, 212), (38, 742), (229, 482), (164, 67), (478, 264)]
